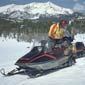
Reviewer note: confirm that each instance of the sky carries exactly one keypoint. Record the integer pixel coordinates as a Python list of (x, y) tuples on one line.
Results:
[(73, 4)]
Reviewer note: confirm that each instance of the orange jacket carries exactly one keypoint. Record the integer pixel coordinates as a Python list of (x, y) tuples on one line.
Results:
[(55, 32)]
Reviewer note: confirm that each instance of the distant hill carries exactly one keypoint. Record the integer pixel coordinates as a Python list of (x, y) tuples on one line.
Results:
[(33, 10)]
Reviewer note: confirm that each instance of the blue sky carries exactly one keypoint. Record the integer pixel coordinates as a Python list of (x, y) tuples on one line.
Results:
[(75, 4)]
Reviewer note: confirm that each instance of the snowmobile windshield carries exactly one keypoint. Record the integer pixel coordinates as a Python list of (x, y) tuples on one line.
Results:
[(34, 52)]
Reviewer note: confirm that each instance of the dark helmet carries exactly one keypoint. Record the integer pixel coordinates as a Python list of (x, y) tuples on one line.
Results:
[(63, 23)]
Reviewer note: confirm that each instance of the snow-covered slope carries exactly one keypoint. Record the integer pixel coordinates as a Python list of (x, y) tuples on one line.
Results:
[(74, 75), (79, 38), (10, 50), (33, 10)]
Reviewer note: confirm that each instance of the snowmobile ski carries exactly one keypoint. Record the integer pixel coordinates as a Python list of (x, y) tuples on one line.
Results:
[(13, 72)]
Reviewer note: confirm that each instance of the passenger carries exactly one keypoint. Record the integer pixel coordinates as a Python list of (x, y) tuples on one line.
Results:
[(67, 36)]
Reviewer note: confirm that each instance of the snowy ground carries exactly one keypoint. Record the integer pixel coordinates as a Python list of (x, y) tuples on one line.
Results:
[(11, 50), (74, 75)]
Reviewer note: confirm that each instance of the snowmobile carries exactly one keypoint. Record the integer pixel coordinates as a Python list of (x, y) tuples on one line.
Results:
[(80, 49), (39, 60)]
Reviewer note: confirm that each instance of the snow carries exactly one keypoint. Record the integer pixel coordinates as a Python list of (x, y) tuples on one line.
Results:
[(11, 50), (79, 38), (10, 8), (34, 9)]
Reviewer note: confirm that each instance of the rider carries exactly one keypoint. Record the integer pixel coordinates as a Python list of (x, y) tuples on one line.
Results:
[(57, 34)]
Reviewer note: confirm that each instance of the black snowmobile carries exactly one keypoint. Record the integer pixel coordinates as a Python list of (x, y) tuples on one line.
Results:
[(80, 49), (39, 60)]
